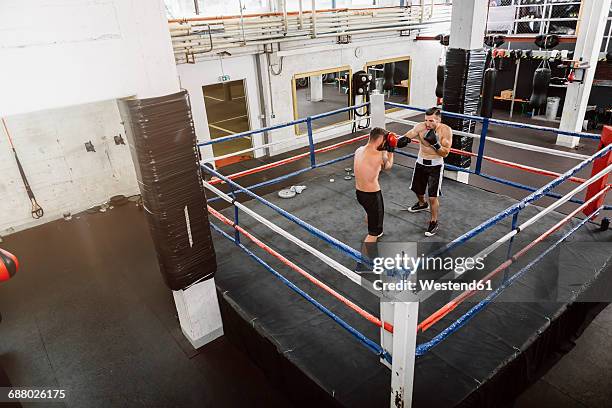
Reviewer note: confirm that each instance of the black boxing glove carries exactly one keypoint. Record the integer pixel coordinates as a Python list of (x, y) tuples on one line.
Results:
[(432, 138), (403, 142)]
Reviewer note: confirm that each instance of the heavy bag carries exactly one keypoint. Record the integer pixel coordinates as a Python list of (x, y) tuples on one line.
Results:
[(440, 83), (495, 40), (547, 41), (444, 39), (388, 73), (541, 80), (488, 92), (361, 83), (8, 265)]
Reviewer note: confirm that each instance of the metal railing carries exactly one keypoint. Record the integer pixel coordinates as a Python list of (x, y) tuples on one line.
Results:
[(522, 17), (196, 37)]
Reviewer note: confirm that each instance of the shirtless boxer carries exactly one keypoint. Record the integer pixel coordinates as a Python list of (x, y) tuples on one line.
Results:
[(435, 142), (369, 160)]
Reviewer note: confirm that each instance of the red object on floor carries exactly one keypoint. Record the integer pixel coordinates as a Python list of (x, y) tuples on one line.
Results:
[(8, 265), (599, 165)]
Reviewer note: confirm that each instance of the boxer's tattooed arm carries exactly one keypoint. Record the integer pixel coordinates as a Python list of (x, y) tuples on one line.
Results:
[(387, 160)]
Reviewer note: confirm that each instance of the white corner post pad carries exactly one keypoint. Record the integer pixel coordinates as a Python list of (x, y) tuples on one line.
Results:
[(377, 110), (460, 176), (199, 313), (403, 352)]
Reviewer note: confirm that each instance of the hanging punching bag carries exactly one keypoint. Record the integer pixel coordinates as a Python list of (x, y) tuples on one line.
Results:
[(8, 265), (541, 80), (488, 92), (440, 81), (388, 73)]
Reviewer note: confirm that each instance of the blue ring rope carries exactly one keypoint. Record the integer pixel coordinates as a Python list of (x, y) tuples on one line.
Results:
[(342, 247), (371, 345), (536, 195), (423, 348), (279, 126), (289, 175), (500, 122)]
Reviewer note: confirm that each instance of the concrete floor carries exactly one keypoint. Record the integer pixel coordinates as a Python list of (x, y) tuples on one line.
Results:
[(88, 311)]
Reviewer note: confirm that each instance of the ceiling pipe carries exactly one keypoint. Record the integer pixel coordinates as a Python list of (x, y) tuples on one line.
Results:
[(300, 16), (314, 19)]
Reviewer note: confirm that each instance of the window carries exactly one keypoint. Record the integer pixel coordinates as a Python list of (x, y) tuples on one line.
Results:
[(320, 92), (391, 77), (211, 8)]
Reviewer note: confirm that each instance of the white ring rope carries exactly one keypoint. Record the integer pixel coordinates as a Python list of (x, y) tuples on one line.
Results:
[(504, 142), (353, 276), (485, 252), (289, 139)]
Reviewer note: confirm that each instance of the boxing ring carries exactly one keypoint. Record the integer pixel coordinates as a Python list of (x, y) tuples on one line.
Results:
[(341, 342)]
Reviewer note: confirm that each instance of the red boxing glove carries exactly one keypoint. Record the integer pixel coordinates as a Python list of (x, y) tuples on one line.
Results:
[(8, 265), (391, 141)]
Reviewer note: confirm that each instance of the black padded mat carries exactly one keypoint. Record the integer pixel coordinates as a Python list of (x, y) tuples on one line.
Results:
[(486, 363)]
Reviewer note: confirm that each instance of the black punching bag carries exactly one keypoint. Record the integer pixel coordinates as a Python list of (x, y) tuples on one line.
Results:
[(488, 92), (388, 73), (163, 145), (440, 83), (541, 80)]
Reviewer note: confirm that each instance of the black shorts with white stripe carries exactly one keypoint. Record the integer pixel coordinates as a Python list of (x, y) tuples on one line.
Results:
[(427, 178)]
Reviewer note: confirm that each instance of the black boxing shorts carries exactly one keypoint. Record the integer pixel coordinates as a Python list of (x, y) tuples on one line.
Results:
[(372, 203), (427, 176)]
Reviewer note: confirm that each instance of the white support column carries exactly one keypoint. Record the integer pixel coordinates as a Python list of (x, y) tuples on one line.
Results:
[(594, 14), (198, 312), (468, 24), (315, 84), (377, 110), (460, 176), (197, 306), (404, 346)]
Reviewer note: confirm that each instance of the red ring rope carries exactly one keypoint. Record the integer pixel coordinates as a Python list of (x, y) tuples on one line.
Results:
[(501, 162), (450, 306), (363, 313), (254, 170), (446, 309)]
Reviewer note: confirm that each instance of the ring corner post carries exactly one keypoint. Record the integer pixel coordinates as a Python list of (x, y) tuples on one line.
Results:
[(311, 146), (599, 164), (481, 145), (403, 353), (236, 232), (377, 110)]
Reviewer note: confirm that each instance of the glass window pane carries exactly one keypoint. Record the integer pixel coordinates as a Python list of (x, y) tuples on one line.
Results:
[(320, 93)]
